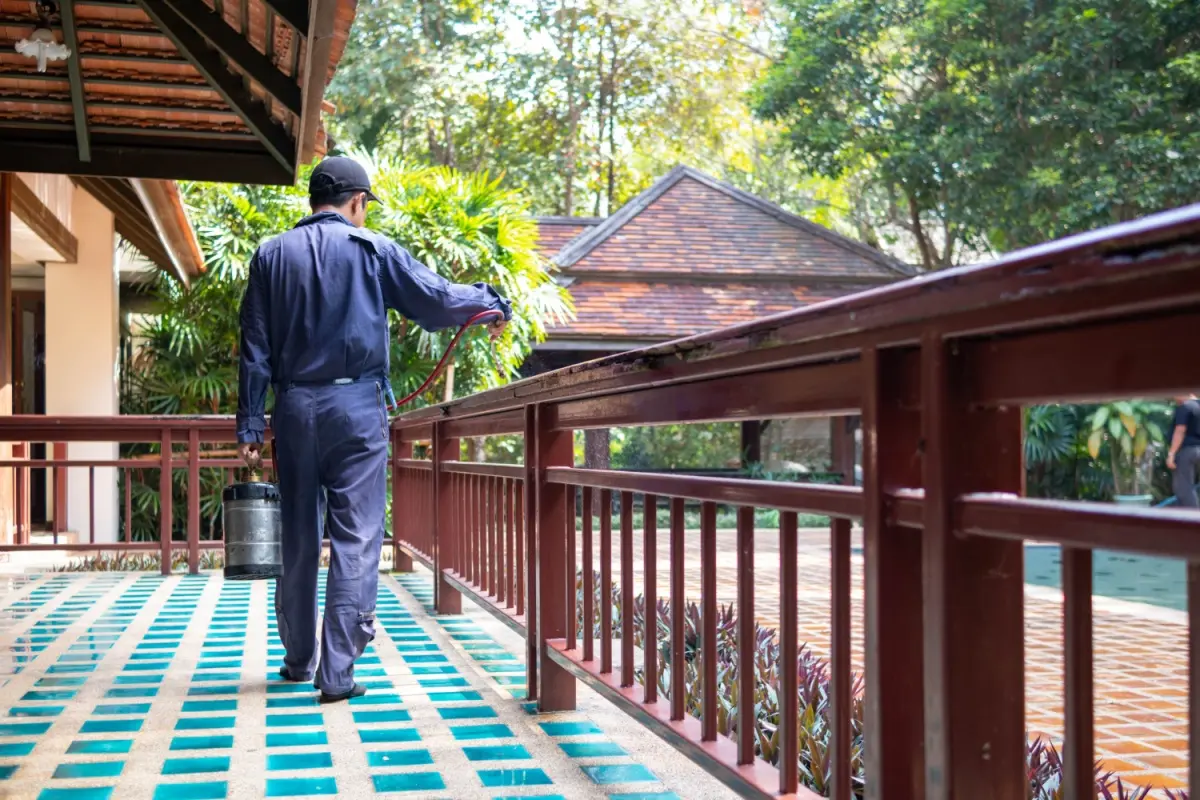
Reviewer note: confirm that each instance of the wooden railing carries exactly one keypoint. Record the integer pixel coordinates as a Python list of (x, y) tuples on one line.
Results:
[(938, 370)]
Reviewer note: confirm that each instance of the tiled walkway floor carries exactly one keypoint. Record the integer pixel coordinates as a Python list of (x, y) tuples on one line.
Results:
[(1141, 650), (134, 686)]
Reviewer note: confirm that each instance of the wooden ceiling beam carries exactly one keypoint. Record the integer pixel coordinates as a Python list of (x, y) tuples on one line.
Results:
[(323, 20), (75, 78), (194, 48), (237, 48), (148, 156), (42, 221), (293, 12)]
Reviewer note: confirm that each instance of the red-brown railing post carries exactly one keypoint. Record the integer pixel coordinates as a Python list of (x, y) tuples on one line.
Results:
[(165, 522), (401, 561), (974, 629), (447, 599), (894, 723), (91, 505), (552, 448), (128, 505), (841, 434), (193, 501), (529, 496), (59, 449)]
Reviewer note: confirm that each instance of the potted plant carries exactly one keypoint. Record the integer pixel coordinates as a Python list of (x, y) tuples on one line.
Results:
[(1132, 431)]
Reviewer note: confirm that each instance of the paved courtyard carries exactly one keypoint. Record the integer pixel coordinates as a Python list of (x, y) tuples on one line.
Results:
[(135, 686), (1141, 649)]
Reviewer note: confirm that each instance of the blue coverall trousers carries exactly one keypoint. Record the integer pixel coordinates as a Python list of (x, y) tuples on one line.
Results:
[(331, 453)]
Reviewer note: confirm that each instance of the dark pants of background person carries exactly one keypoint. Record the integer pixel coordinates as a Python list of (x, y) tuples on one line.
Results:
[(1184, 480)]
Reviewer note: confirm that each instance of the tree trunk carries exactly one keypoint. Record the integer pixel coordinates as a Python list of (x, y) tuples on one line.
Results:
[(596, 452)]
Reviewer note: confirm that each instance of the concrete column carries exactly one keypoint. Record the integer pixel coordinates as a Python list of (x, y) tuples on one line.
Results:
[(82, 348)]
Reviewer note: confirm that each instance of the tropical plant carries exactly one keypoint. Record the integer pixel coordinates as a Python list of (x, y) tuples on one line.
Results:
[(1129, 430)]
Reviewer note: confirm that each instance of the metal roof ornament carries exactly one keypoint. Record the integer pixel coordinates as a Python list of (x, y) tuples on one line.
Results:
[(41, 44)]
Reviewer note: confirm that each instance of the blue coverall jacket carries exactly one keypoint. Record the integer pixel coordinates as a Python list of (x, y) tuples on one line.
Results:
[(314, 327)]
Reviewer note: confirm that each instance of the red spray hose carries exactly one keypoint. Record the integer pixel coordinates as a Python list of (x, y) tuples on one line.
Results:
[(395, 405)]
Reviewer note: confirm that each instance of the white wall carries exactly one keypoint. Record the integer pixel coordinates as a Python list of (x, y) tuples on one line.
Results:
[(82, 351)]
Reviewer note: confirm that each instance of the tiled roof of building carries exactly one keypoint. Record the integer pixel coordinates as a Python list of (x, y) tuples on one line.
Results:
[(662, 311), (555, 232), (692, 253)]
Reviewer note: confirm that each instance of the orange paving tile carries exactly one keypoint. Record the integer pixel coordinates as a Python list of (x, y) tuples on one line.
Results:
[(1140, 668)]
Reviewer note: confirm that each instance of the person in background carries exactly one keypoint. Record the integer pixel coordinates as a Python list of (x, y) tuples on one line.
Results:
[(1184, 454), (315, 329)]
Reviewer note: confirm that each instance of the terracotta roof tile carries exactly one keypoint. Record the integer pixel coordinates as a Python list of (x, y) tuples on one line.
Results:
[(636, 309), (555, 232)]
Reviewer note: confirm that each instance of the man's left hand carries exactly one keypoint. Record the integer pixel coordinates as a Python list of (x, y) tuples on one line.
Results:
[(1171, 461)]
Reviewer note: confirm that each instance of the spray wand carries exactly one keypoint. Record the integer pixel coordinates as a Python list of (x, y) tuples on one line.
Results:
[(393, 405)]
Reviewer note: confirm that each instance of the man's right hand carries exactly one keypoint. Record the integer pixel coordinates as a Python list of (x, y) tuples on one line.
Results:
[(251, 453), (1170, 461)]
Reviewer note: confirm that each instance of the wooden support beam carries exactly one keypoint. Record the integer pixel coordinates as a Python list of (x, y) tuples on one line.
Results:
[(293, 12), (322, 17), (237, 48), (8, 496), (41, 220), (75, 76), (168, 158), (194, 48)]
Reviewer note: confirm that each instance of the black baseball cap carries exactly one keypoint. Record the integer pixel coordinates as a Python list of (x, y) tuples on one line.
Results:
[(338, 174)]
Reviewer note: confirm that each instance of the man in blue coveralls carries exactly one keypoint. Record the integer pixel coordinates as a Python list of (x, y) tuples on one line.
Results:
[(314, 328)]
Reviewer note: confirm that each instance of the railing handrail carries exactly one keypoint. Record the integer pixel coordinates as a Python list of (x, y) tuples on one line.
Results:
[(961, 301)]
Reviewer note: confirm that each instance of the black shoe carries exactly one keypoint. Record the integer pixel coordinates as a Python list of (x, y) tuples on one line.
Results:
[(357, 690), (286, 674)]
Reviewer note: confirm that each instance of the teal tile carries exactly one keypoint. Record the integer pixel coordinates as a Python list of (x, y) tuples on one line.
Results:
[(147, 666), (227, 664), (38, 696), (399, 758), (442, 683), (16, 748), (604, 774), (7, 771), (134, 691), (514, 777), (409, 782), (496, 752), (444, 669), (591, 749), (293, 720), (136, 679), (467, 712), (299, 739), (100, 746), (569, 728), (296, 761), (426, 659), (376, 699), (389, 735), (35, 711), (204, 723), (191, 791), (201, 742), (391, 715), (211, 677), (298, 701), (451, 697), (300, 787), (206, 691), (473, 732), (372, 672), (111, 726), (122, 708), (61, 682), (90, 793), (81, 657), (644, 796), (94, 769), (289, 688), (191, 766), (504, 669), (200, 706)]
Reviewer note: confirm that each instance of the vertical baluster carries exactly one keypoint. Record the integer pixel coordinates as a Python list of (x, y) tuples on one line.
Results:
[(529, 501), (447, 599), (509, 550), (1079, 746), (789, 743), (747, 722), (477, 528), (650, 579), (678, 534), (519, 523), (493, 497), (606, 581), (708, 621), (193, 501), (128, 527), (91, 505), (842, 449), (626, 589), (589, 580), (571, 619), (166, 512)]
